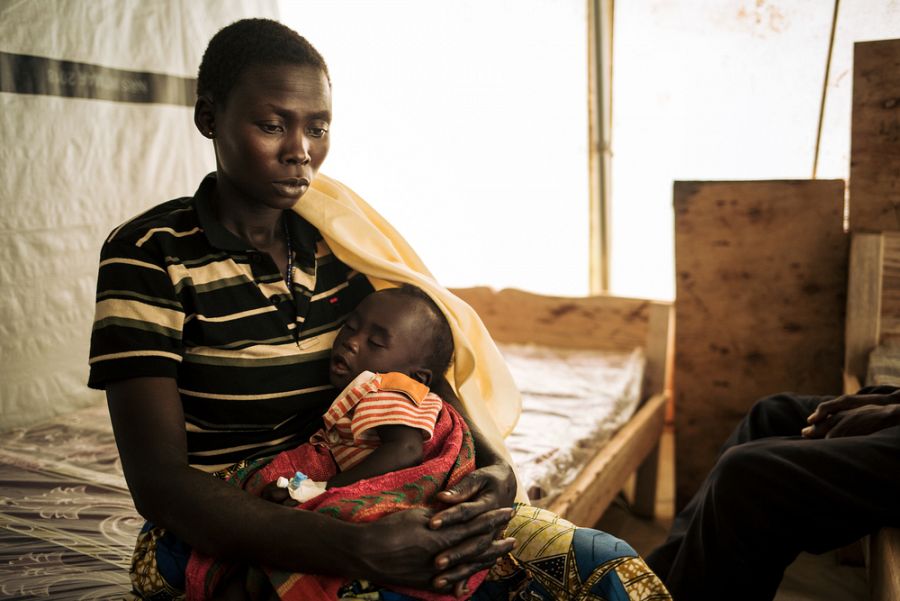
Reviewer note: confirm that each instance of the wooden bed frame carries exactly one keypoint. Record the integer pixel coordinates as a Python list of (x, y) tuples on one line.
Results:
[(601, 323), (873, 316)]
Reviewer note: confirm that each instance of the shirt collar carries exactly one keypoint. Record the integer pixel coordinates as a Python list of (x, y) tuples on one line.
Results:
[(303, 234)]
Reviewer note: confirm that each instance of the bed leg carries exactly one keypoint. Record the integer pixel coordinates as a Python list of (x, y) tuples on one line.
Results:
[(884, 564), (645, 486)]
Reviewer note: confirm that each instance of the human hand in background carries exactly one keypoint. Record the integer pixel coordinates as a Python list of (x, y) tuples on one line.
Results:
[(854, 415)]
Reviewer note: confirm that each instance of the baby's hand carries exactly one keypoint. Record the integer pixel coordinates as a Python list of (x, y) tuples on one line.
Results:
[(272, 492)]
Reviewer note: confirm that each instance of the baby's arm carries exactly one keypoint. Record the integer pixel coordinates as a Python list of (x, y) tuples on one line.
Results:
[(400, 447)]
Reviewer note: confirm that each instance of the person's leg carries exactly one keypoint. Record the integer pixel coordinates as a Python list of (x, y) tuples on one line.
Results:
[(767, 500), (554, 559), (777, 415)]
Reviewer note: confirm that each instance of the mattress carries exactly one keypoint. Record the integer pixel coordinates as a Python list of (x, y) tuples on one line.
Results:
[(573, 401), (68, 525)]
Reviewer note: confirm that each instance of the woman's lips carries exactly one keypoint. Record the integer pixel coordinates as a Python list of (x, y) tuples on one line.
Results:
[(291, 187)]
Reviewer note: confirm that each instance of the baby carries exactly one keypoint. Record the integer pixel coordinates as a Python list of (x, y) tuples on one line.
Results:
[(384, 358)]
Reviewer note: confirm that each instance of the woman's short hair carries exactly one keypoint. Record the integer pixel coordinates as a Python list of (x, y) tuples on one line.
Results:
[(251, 42)]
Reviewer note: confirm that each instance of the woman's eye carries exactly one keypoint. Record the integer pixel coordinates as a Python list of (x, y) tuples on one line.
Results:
[(376, 342), (271, 128), (318, 132)]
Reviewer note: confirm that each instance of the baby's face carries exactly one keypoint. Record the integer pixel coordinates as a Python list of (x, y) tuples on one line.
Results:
[(380, 336)]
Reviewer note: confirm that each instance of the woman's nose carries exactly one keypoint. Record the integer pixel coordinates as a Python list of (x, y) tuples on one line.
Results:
[(297, 149)]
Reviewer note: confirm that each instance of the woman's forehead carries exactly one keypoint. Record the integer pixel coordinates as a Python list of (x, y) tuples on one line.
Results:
[(284, 84)]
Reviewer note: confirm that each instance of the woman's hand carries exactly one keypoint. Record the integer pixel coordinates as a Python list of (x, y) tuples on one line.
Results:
[(402, 548), (481, 492), (486, 488)]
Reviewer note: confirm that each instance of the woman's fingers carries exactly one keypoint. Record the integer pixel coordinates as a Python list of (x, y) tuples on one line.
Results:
[(486, 522), (468, 558), (479, 538), (483, 490), (464, 490)]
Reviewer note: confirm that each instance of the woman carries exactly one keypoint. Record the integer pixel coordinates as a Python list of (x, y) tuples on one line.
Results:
[(215, 315)]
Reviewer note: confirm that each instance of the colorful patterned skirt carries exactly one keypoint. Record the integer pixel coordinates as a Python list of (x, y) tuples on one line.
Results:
[(553, 560)]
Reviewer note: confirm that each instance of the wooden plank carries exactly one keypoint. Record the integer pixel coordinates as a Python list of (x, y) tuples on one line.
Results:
[(875, 137), (656, 378), (657, 348), (593, 322), (598, 483), (884, 565), (863, 302), (646, 484), (760, 300), (890, 287)]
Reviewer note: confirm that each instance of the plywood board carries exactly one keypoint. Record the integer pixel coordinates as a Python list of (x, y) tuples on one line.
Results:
[(760, 299), (890, 288), (875, 137)]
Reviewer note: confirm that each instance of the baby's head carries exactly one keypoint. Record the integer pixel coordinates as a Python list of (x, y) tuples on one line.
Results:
[(395, 329)]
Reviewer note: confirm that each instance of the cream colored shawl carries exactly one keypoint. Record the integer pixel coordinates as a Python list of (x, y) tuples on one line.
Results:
[(362, 239)]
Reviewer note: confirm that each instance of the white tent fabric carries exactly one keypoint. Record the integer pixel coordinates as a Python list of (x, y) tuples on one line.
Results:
[(75, 167)]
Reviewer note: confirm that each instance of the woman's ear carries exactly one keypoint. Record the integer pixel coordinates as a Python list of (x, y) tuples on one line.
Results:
[(422, 375), (205, 117)]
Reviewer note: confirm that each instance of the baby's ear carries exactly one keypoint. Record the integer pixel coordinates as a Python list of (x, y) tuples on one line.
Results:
[(422, 375)]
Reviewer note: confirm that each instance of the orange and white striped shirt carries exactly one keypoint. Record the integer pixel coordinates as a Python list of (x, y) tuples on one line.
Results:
[(373, 400)]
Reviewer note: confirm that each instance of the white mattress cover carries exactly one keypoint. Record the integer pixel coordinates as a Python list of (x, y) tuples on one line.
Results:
[(573, 403)]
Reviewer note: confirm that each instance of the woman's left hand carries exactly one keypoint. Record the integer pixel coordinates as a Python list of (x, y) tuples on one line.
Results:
[(483, 490)]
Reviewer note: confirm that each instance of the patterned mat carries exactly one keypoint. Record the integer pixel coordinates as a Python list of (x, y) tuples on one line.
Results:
[(67, 523)]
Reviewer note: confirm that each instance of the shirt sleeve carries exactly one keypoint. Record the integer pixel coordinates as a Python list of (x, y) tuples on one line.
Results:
[(138, 318), (394, 408)]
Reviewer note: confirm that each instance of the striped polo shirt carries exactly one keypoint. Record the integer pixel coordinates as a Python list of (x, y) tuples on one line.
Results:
[(180, 296), (369, 402)]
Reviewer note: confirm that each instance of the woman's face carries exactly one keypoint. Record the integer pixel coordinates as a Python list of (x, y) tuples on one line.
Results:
[(271, 134)]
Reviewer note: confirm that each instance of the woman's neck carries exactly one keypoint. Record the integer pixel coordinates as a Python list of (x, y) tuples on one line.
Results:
[(260, 226)]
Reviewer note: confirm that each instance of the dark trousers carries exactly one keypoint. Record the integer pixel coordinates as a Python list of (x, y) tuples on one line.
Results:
[(773, 494)]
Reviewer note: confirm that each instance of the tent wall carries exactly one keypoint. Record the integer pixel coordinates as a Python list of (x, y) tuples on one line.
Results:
[(96, 119)]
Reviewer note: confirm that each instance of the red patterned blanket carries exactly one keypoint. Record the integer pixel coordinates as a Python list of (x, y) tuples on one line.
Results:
[(448, 456)]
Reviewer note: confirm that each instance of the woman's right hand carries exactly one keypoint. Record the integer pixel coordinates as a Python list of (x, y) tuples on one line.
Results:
[(402, 548)]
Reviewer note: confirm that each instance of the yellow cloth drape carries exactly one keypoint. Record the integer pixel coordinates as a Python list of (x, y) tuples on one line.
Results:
[(362, 239)]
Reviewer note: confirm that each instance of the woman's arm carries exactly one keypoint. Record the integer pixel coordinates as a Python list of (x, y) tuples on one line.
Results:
[(204, 511), (226, 522)]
